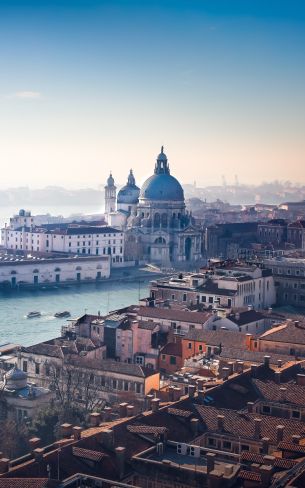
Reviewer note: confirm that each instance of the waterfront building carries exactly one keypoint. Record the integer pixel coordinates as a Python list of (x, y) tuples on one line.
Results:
[(228, 286), (47, 269), (158, 227), (273, 232), (69, 238)]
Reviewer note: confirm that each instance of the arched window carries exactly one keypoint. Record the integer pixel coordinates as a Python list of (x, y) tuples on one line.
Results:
[(35, 270), (164, 220), (57, 269), (157, 220), (78, 268), (160, 240), (13, 272)]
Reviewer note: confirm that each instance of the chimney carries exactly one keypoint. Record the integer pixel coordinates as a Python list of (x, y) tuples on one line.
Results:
[(38, 454), (123, 409), (277, 377), (296, 323), (4, 465), (34, 442), (195, 426), (155, 403), (220, 422), (265, 444), (130, 410), (283, 391), (106, 414), (200, 384), (257, 428), (120, 454), (266, 473), (201, 394), (77, 432), (210, 458), (107, 439), (267, 361), (171, 393), (296, 439), (191, 391), (301, 379), (279, 363), (149, 399), (231, 367), (66, 430), (254, 368), (279, 433), (250, 406), (178, 393), (269, 460), (95, 419), (225, 373), (240, 367)]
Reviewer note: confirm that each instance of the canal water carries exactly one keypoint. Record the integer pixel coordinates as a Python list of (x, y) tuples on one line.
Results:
[(78, 299)]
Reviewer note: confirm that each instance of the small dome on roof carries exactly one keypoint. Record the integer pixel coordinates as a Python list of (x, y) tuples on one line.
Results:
[(15, 378), (129, 194), (110, 180)]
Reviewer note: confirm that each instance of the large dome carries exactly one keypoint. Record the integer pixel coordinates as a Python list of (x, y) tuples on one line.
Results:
[(129, 194), (161, 185)]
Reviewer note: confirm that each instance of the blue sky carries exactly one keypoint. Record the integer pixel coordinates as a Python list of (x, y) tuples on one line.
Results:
[(89, 86)]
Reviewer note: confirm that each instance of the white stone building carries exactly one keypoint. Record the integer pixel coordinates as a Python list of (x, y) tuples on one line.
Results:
[(38, 270), (66, 238)]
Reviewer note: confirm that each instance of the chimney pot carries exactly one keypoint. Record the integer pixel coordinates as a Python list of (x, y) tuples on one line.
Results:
[(34, 442), (210, 458), (66, 430), (191, 391), (123, 409), (267, 361), (296, 439), (277, 377), (38, 454), (120, 453), (279, 363), (95, 419), (155, 403), (257, 427), (77, 432), (4, 465), (130, 410), (250, 406), (220, 422), (283, 394), (195, 426), (301, 379), (107, 438), (279, 433)]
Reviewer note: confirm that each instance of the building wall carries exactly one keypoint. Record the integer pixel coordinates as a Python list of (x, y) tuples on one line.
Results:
[(54, 271)]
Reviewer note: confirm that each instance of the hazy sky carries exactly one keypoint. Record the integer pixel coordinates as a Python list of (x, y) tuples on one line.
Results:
[(88, 86)]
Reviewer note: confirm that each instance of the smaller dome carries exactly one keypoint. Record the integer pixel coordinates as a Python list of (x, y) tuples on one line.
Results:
[(129, 194), (15, 378), (162, 155), (110, 180)]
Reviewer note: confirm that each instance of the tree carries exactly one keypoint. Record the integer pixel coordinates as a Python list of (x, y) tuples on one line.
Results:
[(13, 438), (75, 387)]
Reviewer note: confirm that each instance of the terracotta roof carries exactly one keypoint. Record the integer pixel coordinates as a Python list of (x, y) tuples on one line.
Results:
[(179, 413), (242, 424), (44, 350), (112, 366), (215, 337), (246, 317), (175, 315), (288, 332), (294, 394), (87, 454), (252, 356), (254, 457), (146, 429), (172, 348), (249, 476), (147, 325), (28, 483), (290, 446)]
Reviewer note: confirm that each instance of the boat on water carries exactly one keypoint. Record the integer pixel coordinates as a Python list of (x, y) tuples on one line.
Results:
[(32, 315), (60, 315)]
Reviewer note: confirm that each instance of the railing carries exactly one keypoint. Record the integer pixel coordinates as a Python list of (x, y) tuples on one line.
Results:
[(84, 480)]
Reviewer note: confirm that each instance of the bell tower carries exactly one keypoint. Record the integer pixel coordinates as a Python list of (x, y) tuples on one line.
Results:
[(110, 195)]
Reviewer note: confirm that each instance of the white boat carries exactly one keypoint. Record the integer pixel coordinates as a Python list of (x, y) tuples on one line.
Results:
[(32, 315), (60, 315)]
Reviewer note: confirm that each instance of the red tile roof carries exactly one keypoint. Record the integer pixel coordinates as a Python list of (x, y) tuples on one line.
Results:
[(290, 446), (27, 483), (175, 315), (249, 476), (179, 413), (172, 349), (269, 390), (87, 454), (288, 332), (146, 429)]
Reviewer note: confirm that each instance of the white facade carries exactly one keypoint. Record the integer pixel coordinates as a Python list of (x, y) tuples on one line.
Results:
[(35, 271), (70, 238)]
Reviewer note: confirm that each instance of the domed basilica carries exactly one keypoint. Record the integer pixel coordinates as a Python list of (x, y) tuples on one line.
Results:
[(158, 229)]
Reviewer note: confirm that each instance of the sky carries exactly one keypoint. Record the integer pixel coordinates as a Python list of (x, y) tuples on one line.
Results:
[(90, 86)]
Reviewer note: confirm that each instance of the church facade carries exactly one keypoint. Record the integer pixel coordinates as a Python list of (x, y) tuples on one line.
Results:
[(158, 228)]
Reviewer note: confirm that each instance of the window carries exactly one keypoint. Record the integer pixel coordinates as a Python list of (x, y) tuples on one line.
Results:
[(37, 368), (295, 414), (227, 445), (184, 297), (210, 299), (244, 447), (211, 442), (203, 298), (140, 360), (172, 360), (266, 409), (190, 345), (25, 366), (200, 347), (173, 297), (126, 386), (163, 357)]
